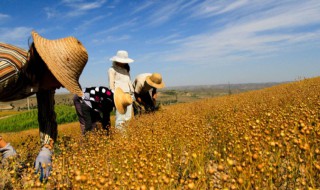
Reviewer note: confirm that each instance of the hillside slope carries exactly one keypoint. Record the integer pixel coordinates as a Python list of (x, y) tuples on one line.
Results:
[(255, 140)]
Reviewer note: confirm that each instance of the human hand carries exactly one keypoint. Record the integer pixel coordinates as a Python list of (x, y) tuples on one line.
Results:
[(7, 151), (155, 96), (43, 163)]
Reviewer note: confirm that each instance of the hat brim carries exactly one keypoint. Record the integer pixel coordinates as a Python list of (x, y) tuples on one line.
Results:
[(161, 85), (65, 71), (121, 60), (118, 94)]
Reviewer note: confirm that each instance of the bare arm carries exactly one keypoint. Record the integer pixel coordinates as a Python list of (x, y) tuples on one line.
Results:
[(154, 93)]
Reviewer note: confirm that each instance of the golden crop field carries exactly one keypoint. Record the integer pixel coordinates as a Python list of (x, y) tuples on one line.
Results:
[(263, 139)]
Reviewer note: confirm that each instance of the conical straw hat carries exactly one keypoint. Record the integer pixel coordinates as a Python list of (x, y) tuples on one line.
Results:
[(155, 80), (121, 100), (65, 58)]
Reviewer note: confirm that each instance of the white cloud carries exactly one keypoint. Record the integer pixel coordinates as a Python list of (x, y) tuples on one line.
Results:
[(50, 12), (15, 35), (233, 6), (77, 8), (88, 6), (85, 24), (142, 7), (81, 5), (166, 11), (111, 39), (283, 17), (120, 26), (4, 17), (262, 34), (211, 8), (171, 39)]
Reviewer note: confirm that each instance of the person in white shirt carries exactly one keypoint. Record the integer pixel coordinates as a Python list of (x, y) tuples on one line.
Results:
[(145, 91), (119, 77)]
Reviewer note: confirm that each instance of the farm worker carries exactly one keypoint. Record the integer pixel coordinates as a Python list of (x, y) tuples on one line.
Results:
[(98, 100), (47, 66), (119, 77), (145, 91)]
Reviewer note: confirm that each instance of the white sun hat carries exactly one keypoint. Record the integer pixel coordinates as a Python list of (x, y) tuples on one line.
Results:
[(122, 57)]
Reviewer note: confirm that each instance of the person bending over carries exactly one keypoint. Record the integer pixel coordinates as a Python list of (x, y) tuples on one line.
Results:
[(45, 67), (145, 91), (96, 101)]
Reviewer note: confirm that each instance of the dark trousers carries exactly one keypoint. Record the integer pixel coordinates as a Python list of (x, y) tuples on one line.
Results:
[(147, 103), (88, 118)]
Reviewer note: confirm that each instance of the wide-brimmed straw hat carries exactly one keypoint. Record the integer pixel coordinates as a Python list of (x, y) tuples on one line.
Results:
[(65, 58), (155, 80), (122, 100), (122, 57)]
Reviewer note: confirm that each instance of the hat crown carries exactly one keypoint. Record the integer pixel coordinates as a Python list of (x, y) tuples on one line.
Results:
[(122, 54), (126, 100), (156, 78), (65, 58), (121, 100)]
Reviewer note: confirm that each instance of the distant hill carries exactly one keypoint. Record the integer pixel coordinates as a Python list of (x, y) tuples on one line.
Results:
[(244, 86), (168, 95)]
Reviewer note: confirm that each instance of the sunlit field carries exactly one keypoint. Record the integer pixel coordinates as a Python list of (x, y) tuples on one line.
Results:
[(263, 139)]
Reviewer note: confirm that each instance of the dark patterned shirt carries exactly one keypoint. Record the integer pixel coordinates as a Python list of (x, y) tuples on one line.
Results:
[(13, 84), (99, 98)]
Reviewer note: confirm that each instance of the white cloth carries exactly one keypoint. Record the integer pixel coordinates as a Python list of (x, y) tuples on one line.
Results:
[(140, 85), (122, 118), (119, 77)]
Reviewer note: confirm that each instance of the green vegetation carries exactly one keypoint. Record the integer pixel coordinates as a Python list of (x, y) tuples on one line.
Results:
[(29, 119)]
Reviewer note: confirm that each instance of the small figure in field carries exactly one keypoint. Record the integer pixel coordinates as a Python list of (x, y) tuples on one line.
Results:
[(119, 77), (96, 101), (45, 67), (145, 91)]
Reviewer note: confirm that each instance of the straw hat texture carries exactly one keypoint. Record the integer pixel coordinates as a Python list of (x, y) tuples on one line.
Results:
[(65, 58), (121, 100), (122, 57), (155, 80)]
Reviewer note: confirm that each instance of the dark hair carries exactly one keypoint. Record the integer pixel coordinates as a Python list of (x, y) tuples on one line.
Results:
[(123, 65), (127, 67), (35, 66)]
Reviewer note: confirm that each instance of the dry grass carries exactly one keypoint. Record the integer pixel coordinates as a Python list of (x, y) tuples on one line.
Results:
[(266, 139)]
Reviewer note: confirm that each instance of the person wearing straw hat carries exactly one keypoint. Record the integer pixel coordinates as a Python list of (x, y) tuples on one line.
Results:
[(45, 67), (119, 77), (143, 84), (96, 101)]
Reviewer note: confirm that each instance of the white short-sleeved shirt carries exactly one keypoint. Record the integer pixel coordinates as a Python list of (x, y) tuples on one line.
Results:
[(139, 84)]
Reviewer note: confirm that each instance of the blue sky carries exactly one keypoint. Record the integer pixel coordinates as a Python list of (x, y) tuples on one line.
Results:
[(190, 42)]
